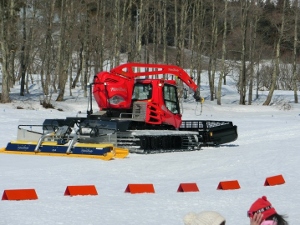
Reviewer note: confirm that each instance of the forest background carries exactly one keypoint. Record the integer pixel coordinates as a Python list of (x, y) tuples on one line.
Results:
[(71, 41)]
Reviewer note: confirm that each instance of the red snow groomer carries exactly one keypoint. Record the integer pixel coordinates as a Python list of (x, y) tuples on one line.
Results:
[(139, 112), (144, 101)]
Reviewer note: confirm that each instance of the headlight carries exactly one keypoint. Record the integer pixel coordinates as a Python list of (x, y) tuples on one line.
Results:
[(115, 100)]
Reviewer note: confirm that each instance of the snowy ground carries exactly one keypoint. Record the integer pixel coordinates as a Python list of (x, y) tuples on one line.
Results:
[(268, 145)]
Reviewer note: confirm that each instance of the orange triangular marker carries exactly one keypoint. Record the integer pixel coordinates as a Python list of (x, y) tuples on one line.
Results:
[(139, 188), (229, 185), (188, 187), (19, 194), (81, 190), (274, 180)]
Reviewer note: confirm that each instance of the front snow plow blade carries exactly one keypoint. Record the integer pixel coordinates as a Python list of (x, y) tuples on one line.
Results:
[(85, 150), (120, 153), (57, 138), (211, 133)]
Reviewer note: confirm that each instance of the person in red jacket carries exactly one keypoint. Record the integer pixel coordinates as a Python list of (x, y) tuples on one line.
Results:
[(262, 212)]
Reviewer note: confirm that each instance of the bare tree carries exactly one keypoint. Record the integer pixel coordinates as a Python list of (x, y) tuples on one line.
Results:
[(8, 20), (252, 45), (14, 10), (200, 40), (23, 60), (184, 7), (51, 36), (4, 50), (130, 43), (86, 49), (140, 24), (222, 72), (118, 23), (101, 28), (296, 6), (30, 50), (46, 49), (242, 78), (277, 57), (159, 16), (165, 25), (182, 24), (176, 33), (84, 40), (191, 38), (64, 46), (212, 53)]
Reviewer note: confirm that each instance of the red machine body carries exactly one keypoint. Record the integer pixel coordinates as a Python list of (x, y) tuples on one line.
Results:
[(117, 91)]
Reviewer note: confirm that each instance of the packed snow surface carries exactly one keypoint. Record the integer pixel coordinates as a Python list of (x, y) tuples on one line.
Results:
[(268, 145)]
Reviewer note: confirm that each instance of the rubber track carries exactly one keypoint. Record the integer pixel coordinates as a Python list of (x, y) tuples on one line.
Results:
[(146, 142)]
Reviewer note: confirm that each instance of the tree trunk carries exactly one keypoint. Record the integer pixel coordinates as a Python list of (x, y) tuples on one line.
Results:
[(242, 80), (295, 52), (102, 34), (79, 66), (192, 41), (131, 41), (121, 38), (155, 41), (277, 58), (253, 33), (64, 55), (7, 26), (257, 78), (199, 41), (175, 22), (164, 30), (49, 52), (12, 43), (140, 24), (86, 53), (23, 63), (222, 73), (61, 50), (114, 57), (181, 34), (212, 57), (180, 43), (29, 53), (147, 34)]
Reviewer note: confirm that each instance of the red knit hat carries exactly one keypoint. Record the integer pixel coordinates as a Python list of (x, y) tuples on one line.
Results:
[(262, 205)]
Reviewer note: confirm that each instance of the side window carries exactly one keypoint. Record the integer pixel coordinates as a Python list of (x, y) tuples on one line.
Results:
[(171, 100), (142, 92)]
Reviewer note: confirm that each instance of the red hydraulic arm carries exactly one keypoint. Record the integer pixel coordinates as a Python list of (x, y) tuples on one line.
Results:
[(129, 70)]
